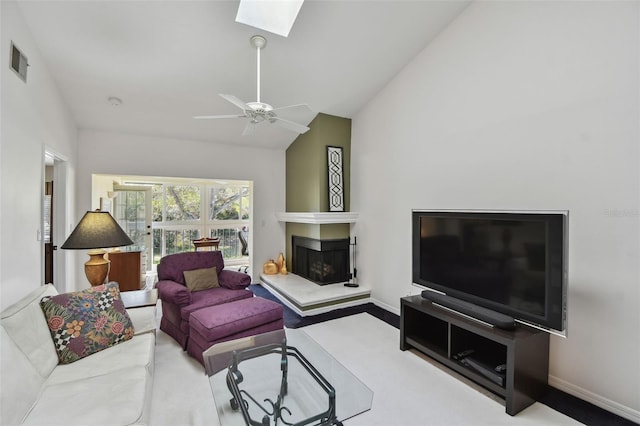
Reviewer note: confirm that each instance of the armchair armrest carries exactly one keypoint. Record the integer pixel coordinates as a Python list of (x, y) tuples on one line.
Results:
[(233, 280), (172, 292)]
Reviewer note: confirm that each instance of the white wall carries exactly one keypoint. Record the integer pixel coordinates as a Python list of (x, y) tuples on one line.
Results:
[(34, 116), (122, 154), (516, 105), (520, 105)]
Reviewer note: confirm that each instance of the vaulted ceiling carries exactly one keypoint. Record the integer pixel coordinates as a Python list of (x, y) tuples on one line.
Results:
[(168, 61)]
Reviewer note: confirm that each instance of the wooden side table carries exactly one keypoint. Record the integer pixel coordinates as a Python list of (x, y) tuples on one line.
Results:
[(206, 243), (126, 269)]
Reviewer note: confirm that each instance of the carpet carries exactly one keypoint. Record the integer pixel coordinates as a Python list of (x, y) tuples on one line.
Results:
[(571, 406), (413, 392)]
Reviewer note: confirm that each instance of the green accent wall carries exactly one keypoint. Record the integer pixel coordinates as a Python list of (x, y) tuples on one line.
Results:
[(306, 164), (307, 180)]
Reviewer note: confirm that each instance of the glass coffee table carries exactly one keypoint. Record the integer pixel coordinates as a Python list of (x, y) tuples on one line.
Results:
[(282, 378)]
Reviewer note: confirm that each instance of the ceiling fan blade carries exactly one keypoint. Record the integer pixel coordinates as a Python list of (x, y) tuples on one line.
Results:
[(237, 102), (207, 117), (294, 108), (289, 125), (250, 128)]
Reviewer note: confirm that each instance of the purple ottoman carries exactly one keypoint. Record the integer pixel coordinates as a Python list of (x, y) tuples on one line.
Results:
[(228, 321)]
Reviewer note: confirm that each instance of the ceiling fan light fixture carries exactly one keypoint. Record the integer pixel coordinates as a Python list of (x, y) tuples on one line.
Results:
[(260, 107), (258, 112), (275, 16)]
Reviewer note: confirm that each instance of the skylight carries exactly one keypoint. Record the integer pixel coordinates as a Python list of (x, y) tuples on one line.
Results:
[(275, 16)]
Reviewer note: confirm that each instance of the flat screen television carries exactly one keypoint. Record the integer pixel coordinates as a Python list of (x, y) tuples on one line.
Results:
[(510, 263)]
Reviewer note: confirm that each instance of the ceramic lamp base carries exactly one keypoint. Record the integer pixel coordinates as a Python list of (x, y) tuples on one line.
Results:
[(97, 267)]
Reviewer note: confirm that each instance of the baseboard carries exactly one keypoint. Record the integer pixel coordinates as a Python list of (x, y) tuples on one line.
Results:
[(595, 399), (385, 306)]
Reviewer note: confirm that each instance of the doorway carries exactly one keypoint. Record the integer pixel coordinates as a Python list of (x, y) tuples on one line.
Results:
[(53, 218), (131, 208), (47, 225)]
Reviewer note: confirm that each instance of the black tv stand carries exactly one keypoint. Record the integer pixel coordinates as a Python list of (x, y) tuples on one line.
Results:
[(483, 314), (513, 364)]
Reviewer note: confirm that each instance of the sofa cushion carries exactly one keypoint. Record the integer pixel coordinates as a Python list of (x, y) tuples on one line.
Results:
[(20, 382), (119, 398), (27, 327), (137, 352), (87, 321), (201, 279)]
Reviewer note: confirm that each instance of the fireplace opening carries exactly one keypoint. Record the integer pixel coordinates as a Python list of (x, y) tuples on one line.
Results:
[(321, 261)]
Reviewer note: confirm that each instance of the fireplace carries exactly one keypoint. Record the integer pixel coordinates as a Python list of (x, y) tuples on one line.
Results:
[(321, 261)]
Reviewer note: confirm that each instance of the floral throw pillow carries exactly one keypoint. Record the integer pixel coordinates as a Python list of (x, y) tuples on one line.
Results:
[(85, 322)]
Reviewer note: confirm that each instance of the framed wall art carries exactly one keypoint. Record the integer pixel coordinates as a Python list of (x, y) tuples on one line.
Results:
[(335, 168)]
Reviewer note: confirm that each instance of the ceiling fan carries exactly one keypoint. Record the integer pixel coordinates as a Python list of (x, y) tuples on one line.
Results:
[(259, 112)]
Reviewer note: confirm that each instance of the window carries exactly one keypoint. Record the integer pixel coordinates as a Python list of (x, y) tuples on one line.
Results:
[(229, 203), (229, 217), (182, 203), (170, 241), (183, 212)]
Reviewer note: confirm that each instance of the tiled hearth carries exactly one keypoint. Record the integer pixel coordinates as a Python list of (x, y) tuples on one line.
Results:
[(307, 298)]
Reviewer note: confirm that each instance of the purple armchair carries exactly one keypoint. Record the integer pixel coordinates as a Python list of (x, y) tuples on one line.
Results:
[(178, 302)]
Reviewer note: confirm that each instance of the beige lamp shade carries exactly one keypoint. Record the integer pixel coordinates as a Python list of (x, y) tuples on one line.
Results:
[(97, 230)]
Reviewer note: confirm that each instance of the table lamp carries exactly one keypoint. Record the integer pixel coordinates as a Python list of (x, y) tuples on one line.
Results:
[(96, 231)]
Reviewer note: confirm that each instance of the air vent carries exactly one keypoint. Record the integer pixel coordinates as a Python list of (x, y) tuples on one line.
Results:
[(19, 62)]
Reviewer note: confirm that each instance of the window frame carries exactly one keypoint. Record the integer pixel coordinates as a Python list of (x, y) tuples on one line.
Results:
[(204, 225)]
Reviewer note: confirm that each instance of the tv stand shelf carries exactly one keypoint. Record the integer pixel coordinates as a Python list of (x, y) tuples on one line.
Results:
[(442, 334)]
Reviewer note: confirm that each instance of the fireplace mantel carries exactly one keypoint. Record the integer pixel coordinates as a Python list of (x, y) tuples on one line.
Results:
[(318, 218)]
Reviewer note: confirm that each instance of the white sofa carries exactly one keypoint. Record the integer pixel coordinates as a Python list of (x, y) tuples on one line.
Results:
[(110, 387)]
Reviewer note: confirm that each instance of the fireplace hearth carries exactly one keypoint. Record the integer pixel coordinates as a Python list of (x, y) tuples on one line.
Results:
[(321, 261)]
